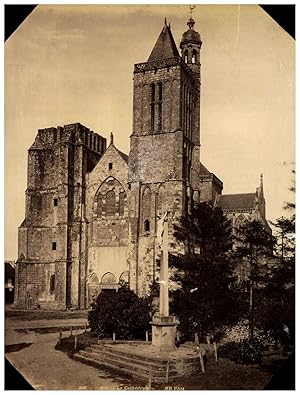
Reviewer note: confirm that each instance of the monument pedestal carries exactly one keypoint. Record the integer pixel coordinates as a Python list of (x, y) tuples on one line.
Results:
[(163, 332)]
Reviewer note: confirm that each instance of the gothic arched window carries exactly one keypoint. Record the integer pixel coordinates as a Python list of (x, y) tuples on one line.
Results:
[(108, 278), (146, 225), (239, 221), (186, 56), (93, 278), (124, 278), (146, 203), (110, 203), (194, 56), (146, 208)]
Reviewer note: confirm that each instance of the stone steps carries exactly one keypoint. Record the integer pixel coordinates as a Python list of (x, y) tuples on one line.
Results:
[(111, 348), (136, 366), (129, 358), (102, 364), (129, 364)]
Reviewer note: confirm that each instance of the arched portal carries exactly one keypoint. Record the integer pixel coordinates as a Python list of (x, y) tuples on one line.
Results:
[(93, 288)]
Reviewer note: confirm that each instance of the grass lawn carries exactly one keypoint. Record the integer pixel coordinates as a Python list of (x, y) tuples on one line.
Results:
[(29, 315), (220, 375), (226, 375)]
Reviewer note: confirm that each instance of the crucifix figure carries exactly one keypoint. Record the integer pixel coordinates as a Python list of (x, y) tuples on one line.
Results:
[(163, 325), (162, 243), (160, 228)]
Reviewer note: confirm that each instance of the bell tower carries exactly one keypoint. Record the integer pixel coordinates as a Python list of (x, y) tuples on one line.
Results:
[(190, 46), (164, 144)]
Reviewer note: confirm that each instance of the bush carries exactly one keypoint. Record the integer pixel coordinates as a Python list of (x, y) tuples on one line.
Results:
[(245, 352), (122, 313)]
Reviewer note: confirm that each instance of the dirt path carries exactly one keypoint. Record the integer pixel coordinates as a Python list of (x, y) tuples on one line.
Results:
[(45, 368)]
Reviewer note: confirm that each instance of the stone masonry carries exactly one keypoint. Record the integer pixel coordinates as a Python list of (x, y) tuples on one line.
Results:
[(91, 211)]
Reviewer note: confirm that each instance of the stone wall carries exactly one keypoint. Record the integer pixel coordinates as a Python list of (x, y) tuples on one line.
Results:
[(107, 215), (34, 285), (52, 235)]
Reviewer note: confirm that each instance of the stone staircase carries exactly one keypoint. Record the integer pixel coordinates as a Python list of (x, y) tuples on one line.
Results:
[(137, 366)]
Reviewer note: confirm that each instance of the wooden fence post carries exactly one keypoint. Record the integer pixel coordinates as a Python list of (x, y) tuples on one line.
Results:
[(147, 336), (75, 342), (201, 361), (216, 351), (150, 380), (114, 337), (167, 371)]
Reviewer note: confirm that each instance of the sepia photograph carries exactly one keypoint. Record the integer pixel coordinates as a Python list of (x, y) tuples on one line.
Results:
[(149, 197)]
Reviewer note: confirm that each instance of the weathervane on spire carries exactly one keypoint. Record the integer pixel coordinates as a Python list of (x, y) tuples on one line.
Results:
[(192, 7), (191, 21)]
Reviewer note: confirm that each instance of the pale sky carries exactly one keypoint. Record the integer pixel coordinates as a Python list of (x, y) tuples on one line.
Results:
[(69, 64)]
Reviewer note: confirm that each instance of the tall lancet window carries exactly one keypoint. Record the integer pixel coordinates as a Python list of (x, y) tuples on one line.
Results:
[(110, 203), (156, 107), (121, 203), (159, 105), (146, 209), (152, 105)]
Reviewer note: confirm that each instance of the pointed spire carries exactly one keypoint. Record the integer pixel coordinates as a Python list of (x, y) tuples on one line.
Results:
[(261, 186), (165, 46), (111, 139)]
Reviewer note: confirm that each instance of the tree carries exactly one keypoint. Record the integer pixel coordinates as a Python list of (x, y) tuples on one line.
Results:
[(121, 312), (285, 237), (255, 245), (276, 300), (205, 300)]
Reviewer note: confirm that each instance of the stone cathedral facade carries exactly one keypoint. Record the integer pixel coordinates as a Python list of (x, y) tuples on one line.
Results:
[(91, 210)]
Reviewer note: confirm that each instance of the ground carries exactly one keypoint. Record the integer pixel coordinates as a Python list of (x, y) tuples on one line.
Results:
[(33, 353)]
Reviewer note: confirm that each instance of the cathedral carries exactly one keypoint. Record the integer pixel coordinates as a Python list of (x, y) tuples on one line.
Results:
[(91, 210)]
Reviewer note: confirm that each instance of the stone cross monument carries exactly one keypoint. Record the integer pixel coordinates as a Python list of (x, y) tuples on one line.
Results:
[(163, 325)]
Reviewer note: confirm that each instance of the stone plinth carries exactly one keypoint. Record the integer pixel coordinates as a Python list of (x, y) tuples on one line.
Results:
[(163, 332)]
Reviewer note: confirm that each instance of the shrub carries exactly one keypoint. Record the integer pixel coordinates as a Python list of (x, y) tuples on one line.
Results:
[(245, 352), (122, 313)]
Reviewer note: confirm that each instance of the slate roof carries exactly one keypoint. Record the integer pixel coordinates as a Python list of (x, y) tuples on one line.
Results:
[(124, 156), (237, 201), (165, 46), (203, 170)]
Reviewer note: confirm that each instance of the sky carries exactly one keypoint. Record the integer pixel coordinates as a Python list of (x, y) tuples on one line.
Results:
[(74, 63)]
